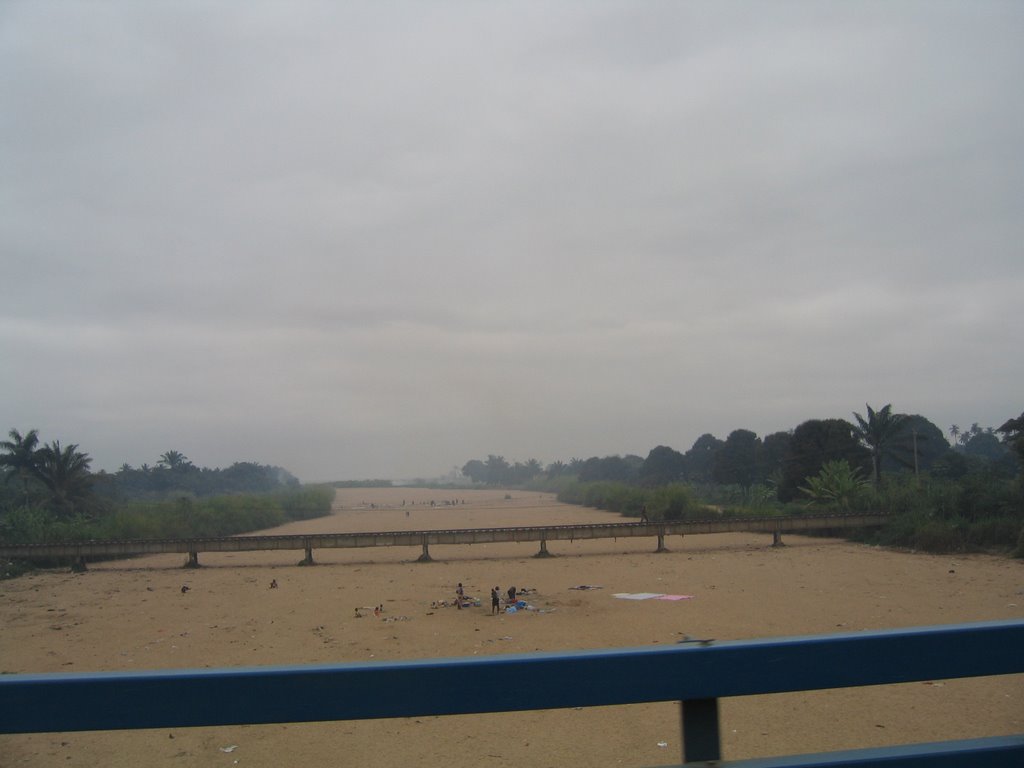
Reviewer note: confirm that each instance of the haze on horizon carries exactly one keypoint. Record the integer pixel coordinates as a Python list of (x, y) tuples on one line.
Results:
[(382, 240)]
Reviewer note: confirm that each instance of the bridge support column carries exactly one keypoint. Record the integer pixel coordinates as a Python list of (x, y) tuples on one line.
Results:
[(661, 541), (543, 549), (425, 557), (777, 538), (78, 565), (308, 559), (193, 559)]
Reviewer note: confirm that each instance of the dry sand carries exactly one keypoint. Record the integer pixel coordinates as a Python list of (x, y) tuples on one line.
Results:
[(132, 615)]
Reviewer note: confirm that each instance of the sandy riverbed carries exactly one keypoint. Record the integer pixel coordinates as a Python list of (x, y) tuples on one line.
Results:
[(133, 615)]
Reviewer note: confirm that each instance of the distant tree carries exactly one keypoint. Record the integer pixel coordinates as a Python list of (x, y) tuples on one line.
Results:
[(475, 470), (613, 468), (877, 433), (736, 462), (663, 465), (813, 444), (954, 432), (65, 473), (556, 468), (21, 457), (173, 460), (774, 448), (918, 443), (497, 470), (701, 458), (1013, 435), (523, 472), (986, 446)]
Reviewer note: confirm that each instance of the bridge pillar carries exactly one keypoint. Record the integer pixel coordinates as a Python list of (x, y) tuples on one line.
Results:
[(308, 559), (777, 538), (425, 557), (661, 541), (193, 559), (543, 549), (78, 565)]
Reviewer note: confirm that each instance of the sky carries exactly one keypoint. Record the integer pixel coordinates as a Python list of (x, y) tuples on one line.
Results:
[(378, 240)]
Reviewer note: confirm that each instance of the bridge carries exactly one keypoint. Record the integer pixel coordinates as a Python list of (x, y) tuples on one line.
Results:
[(695, 674), (80, 551)]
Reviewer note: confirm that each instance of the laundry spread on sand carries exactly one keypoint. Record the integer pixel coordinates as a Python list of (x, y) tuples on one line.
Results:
[(637, 595), (650, 596)]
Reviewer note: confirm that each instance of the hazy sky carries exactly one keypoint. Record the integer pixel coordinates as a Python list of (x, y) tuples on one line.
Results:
[(381, 239)]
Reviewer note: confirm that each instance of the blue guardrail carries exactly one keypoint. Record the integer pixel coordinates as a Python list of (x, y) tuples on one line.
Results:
[(696, 674)]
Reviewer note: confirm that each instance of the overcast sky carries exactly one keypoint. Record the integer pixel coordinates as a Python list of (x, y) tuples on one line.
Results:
[(382, 239)]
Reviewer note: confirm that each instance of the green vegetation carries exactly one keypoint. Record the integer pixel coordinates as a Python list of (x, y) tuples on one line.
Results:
[(968, 496), (838, 485), (674, 501), (171, 519), (48, 494)]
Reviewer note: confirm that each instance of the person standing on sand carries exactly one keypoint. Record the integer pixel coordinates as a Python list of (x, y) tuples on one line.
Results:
[(495, 601), (459, 594)]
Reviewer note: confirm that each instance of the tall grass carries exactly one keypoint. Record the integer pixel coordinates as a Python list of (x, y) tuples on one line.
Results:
[(178, 519)]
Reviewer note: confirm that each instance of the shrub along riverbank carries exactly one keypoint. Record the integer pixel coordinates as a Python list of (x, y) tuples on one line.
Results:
[(183, 517), (927, 514)]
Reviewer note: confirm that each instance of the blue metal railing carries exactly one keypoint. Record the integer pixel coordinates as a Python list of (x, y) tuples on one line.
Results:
[(695, 674)]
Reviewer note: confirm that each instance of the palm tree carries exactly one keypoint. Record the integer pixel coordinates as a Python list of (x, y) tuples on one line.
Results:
[(878, 432), (65, 472), (954, 432), (22, 456), (837, 484), (173, 460)]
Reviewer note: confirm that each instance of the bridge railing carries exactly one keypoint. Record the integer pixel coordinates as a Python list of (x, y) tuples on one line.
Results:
[(696, 674)]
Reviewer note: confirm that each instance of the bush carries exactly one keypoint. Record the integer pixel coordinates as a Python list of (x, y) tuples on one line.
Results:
[(939, 536), (1001, 533), (675, 502)]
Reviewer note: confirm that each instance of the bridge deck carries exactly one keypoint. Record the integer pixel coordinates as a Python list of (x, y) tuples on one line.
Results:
[(424, 538)]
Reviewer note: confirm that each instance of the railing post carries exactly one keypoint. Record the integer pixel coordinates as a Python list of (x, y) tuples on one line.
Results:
[(701, 738)]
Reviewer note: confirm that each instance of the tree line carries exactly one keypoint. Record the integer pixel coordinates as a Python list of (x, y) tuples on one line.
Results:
[(946, 495), (49, 493), (878, 442)]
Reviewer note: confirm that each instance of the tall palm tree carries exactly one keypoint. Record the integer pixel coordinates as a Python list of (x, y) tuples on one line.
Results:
[(954, 432), (878, 432), (22, 456), (173, 460), (65, 472)]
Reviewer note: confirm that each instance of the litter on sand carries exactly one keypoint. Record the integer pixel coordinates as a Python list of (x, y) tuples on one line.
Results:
[(650, 596), (587, 586)]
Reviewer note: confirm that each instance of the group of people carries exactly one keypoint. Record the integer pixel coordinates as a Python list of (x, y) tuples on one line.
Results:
[(462, 601), (496, 599)]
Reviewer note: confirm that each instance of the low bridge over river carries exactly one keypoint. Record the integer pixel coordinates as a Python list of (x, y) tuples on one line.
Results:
[(79, 552)]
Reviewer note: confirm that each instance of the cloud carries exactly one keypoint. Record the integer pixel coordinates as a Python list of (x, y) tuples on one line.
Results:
[(380, 241)]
